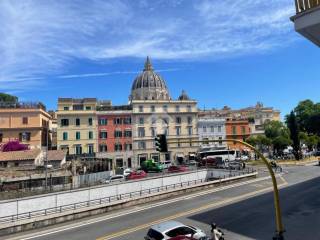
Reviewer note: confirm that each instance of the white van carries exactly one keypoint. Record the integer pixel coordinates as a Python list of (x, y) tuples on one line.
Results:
[(115, 178)]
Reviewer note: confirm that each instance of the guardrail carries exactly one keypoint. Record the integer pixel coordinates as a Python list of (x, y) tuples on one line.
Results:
[(110, 199), (304, 5)]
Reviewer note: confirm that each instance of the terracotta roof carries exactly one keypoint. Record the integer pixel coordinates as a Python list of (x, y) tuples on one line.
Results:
[(19, 155), (56, 155)]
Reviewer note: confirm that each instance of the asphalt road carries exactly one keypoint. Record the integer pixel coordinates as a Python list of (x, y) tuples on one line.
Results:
[(236, 209)]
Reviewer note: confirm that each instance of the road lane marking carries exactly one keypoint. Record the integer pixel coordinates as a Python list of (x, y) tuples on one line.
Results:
[(182, 214), (135, 210)]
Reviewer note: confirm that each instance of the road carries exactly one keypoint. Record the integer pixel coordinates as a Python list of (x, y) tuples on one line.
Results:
[(242, 210)]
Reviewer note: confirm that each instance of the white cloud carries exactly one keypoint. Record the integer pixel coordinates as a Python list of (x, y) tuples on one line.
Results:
[(39, 38)]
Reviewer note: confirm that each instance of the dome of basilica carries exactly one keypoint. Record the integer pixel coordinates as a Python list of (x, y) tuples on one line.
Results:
[(149, 85)]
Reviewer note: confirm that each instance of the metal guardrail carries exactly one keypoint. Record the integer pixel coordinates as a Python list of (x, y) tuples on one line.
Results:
[(304, 5), (100, 201)]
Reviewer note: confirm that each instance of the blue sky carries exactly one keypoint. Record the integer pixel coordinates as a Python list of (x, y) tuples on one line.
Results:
[(231, 52)]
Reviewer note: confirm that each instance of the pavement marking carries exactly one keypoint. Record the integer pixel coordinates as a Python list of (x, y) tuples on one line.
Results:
[(195, 210), (135, 210)]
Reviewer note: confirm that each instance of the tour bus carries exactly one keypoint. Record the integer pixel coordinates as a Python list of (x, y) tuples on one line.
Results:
[(224, 154)]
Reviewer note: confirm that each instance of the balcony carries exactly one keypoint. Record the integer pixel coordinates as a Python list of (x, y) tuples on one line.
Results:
[(307, 19)]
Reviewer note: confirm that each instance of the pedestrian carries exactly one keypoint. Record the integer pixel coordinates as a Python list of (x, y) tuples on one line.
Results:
[(216, 234)]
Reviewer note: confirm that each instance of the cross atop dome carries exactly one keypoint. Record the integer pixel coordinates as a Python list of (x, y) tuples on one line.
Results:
[(148, 65)]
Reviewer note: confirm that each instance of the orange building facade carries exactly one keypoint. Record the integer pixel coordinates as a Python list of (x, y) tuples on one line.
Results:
[(237, 129), (26, 122)]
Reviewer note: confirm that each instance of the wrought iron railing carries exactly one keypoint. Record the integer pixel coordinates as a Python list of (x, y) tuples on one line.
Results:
[(304, 5)]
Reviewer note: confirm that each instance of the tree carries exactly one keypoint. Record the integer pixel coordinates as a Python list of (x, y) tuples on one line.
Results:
[(275, 129), (308, 116), (311, 141), (294, 134), (280, 143), (8, 98)]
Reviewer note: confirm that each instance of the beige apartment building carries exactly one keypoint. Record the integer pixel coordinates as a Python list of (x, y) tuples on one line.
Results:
[(257, 115), (77, 125), (155, 112), (26, 122)]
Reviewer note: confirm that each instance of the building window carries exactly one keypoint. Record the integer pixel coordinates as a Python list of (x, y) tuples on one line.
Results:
[(127, 133), (90, 121), (103, 121), (88, 107), (166, 131), (90, 135), (189, 120), (219, 129), (153, 132), (24, 136), (117, 134), (178, 131), (189, 131), (78, 149), (128, 146), (77, 121), (65, 136), (90, 148), (141, 132), (103, 135), (77, 135), (66, 108), (117, 147), (212, 129), (234, 130), (127, 120), (103, 148), (165, 108), (204, 129), (78, 107), (141, 120), (142, 145), (153, 109), (25, 120), (220, 142), (189, 108), (243, 129), (177, 108), (117, 121), (140, 108), (1, 137), (178, 120)]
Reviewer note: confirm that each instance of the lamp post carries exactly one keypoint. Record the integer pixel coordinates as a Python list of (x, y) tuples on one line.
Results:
[(279, 225)]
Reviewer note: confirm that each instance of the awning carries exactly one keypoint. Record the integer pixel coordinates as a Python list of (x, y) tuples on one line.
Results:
[(192, 155), (179, 155)]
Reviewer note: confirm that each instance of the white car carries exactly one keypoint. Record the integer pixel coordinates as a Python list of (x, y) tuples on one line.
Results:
[(115, 178), (171, 229), (127, 172)]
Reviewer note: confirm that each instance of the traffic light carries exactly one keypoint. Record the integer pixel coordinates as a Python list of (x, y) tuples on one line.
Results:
[(161, 143)]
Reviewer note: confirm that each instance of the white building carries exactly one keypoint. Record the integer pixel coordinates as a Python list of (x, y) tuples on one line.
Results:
[(212, 129), (155, 112)]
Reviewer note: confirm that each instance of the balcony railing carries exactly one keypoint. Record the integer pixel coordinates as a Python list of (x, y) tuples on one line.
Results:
[(304, 5)]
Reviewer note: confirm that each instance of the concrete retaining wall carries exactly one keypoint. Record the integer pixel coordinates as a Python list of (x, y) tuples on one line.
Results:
[(40, 202)]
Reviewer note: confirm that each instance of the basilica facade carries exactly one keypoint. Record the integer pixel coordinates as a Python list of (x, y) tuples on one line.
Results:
[(154, 112)]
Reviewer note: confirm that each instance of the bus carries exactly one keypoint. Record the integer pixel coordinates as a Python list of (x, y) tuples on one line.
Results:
[(224, 154)]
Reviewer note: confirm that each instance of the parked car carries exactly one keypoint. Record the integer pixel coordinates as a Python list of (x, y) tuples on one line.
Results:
[(127, 171), (137, 175), (115, 178), (166, 164), (179, 168), (236, 165), (171, 229), (151, 166)]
